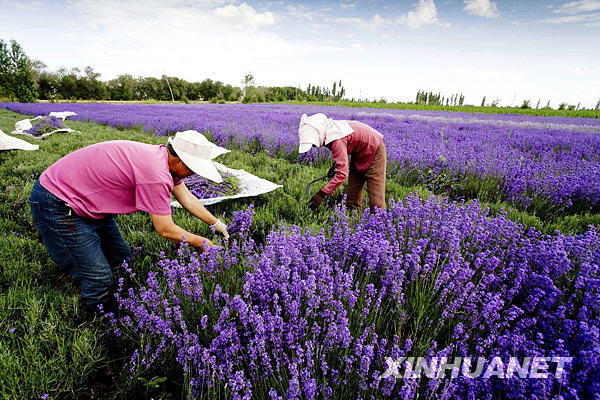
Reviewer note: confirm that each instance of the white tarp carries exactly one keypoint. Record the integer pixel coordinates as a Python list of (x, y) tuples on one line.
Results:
[(62, 115), (11, 143), (25, 124), (249, 185)]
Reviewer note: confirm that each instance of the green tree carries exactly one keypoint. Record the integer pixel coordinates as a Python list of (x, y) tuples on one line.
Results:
[(68, 83), (16, 73), (526, 104), (5, 71), (122, 88), (597, 108)]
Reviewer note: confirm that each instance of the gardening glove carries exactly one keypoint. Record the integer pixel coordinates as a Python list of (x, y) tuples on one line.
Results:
[(220, 227), (316, 200)]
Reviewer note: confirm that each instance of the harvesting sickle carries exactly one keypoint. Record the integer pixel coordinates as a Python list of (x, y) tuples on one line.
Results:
[(74, 202), (359, 156)]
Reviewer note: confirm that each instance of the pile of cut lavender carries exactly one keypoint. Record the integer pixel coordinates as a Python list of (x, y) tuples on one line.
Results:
[(46, 125), (206, 189)]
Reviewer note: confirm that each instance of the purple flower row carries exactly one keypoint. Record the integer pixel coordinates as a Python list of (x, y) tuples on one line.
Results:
[(316, 315), (529, 162)]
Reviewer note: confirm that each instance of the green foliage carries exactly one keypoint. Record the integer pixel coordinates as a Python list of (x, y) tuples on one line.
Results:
[(430, 98), (526, 104), (16, 73), (546, 111)]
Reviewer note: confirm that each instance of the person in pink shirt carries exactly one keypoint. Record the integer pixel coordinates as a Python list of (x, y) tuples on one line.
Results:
[(74, 202), (358, 153)]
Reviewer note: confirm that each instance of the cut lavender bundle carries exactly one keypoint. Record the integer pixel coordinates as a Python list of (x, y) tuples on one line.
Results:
[(206, 189), (45, 125)]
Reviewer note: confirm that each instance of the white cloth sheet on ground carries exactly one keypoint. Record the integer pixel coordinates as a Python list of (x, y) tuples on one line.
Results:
[(62, 114), (250, 185), (26, 124), (11, 143)]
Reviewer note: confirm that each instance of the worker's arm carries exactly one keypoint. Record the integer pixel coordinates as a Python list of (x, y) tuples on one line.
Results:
[(339, 153), (193, 205), (165, 227)]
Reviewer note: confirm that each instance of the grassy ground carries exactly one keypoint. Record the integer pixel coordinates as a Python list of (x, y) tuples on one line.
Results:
[(47, 343), (467, 108)]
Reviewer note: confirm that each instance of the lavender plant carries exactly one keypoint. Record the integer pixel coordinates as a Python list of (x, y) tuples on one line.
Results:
[(317, 314)]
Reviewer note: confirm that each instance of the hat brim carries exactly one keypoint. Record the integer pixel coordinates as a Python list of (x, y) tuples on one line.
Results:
[(204, 168), (304, 147)]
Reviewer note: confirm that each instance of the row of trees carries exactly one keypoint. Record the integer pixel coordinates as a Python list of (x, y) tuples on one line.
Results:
[(258, 94), (73, 85), (438, 99), (26, 80)]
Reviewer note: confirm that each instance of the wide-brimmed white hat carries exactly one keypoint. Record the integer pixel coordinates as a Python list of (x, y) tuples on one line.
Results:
[(318, 130), (197, 152)]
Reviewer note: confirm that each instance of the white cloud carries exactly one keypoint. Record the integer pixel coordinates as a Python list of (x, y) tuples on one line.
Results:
[(585, 12), (193, 40), (302, 11), (481, 8), (575, 7), (372, 24), (244, 16), (425, 13), (585, 19), (347, 5)]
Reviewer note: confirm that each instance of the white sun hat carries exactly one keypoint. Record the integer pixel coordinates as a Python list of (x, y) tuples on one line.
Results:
[(318, 130), (197, 152)]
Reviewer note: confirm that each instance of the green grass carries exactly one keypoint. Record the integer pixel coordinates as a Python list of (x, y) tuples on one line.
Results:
[(467, 108), (49, 345)]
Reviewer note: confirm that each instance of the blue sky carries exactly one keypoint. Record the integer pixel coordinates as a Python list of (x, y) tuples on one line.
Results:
[(504, 49)]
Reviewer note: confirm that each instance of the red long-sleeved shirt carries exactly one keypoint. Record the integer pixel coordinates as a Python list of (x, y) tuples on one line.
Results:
[(361, 144)]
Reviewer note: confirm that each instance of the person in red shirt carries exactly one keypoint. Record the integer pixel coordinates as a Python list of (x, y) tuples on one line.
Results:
[(358, 153)]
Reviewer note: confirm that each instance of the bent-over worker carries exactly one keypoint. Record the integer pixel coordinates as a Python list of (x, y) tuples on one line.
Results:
[(358, 153), (74, 202)]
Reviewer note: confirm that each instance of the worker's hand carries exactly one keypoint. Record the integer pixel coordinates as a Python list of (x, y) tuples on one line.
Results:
[(221, 228), (316, 200)]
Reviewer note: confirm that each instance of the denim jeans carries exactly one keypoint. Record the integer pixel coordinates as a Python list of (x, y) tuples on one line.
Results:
[(87, 249)]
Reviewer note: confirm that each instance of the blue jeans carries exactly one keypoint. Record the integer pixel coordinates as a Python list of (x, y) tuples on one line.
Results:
[(87, 249)]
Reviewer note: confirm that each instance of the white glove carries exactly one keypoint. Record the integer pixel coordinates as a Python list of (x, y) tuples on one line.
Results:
[(220, 227)]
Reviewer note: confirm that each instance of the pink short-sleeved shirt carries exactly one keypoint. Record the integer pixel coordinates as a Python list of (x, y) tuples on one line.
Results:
[(114, 177)]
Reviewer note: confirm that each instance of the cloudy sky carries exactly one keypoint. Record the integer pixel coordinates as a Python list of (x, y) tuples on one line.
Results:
[(503, 49)]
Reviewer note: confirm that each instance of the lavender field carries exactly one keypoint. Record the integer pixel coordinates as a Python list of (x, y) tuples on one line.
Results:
[(548, 165), (323, 305)]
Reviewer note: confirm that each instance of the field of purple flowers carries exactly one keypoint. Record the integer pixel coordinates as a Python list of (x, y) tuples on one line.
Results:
[(316, 315), (547, 165), (319, 313)]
